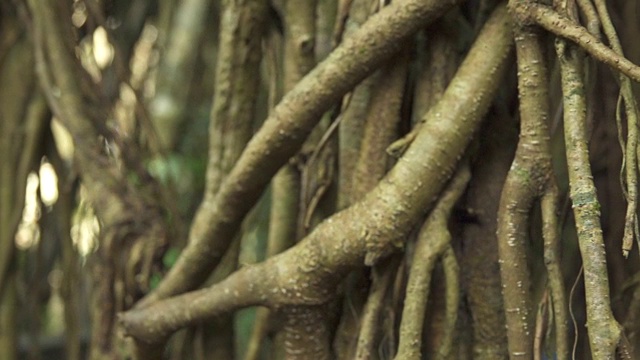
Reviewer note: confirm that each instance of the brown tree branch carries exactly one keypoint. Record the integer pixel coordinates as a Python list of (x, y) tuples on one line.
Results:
[(604, 330), (381, 123), (529, 178), (448, 344), (155, 322), (630, 164), (552, 259), (383, 275), (433, 241), (308, 273), (175, 72), (286, 129), (559, 25)]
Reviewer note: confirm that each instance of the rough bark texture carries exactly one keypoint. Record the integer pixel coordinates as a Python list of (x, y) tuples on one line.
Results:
[(433, 242), (604, 330), (526, 181), (368, 126), (286, 129), (308, 273)]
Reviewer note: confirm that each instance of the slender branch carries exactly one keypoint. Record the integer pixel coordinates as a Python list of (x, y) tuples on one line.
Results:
[(561, 26), (591, 17), (22, 121), (68, 105), (552, 255), (155, 322), (630, 163), (530, 174), (381, 123), (327, 11), (175, 72), (354, 108), (383, 276), (70, 259), (604, 331), (452, 304), (433, 241), (542, 319), (23, 111), (260, 328)]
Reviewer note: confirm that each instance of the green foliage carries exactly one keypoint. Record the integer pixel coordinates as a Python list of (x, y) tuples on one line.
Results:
[(154, 281), (170, 257), (168, 260)]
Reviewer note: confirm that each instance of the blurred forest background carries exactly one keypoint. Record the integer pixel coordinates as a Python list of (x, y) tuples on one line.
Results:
[(152, 148)]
